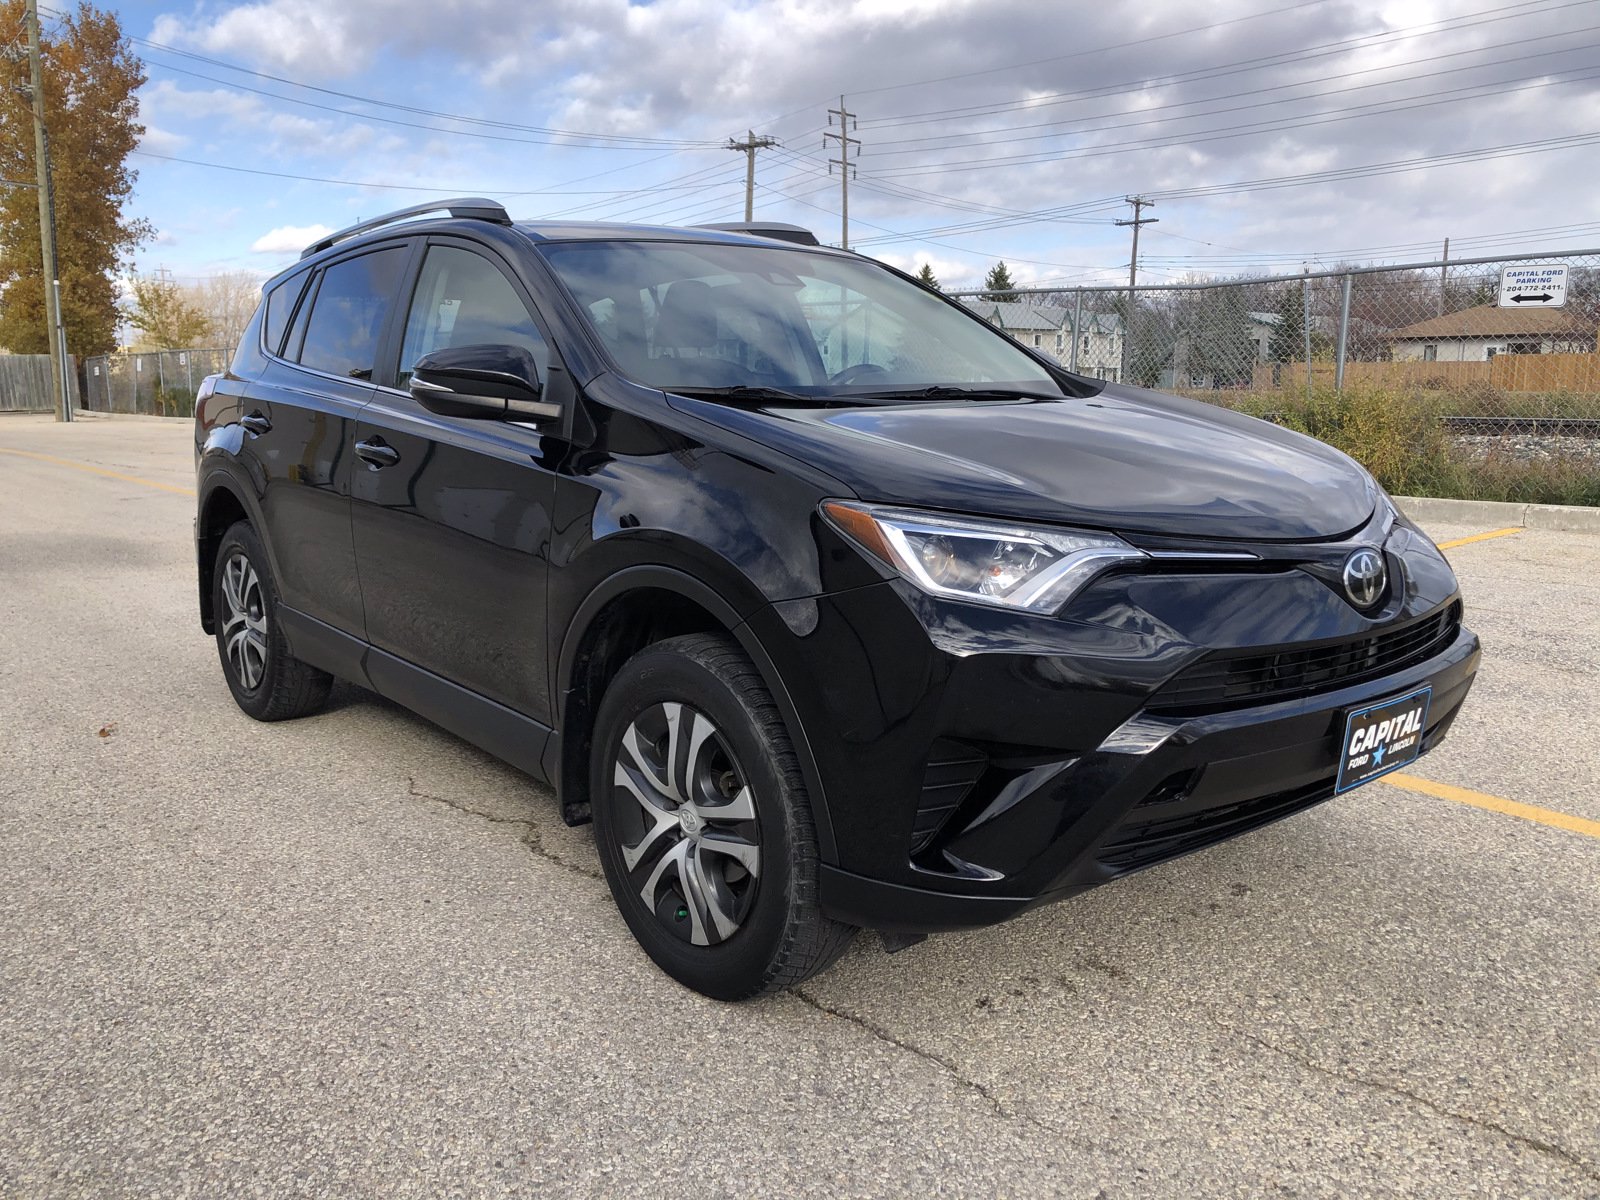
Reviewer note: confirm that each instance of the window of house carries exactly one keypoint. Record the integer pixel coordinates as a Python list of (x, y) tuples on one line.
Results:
[(348, 313), (1085, 343), (1430, 352), (1061, 342), (1038, 340), (1522, 347)]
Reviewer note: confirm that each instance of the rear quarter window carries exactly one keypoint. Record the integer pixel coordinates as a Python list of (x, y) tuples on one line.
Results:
[(280, 304)]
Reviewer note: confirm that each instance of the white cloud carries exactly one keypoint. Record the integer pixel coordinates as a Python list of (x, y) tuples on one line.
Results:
[(156, 140), (289, 239), (1096, 103)]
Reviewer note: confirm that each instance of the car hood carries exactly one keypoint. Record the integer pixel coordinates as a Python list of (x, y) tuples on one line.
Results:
[(1125, 459)]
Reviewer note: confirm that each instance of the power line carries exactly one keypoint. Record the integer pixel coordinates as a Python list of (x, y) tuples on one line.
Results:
[(1147, 119), (1224, 133), (1237, 66), (362, 183), (1160, 37), (396, 121), (1358, 171)]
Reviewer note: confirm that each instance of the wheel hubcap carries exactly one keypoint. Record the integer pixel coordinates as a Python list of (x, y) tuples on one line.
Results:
[(687, 823), (244, 622)]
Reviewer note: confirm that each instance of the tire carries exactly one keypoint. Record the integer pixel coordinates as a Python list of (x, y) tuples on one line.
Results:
[(731, 876), (268, 682)]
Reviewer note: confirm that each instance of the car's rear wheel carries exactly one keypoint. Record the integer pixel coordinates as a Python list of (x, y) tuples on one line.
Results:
[(703, 825), (268, 682)]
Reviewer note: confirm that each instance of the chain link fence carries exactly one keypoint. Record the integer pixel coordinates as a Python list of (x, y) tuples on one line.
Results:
[(1418, 370), (159, 383)]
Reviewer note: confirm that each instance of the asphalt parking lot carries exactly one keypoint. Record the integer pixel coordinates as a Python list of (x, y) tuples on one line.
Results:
[(353, 955)]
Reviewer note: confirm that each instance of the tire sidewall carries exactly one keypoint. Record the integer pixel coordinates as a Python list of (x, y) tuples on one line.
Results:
[(739, 966), (242, 538)]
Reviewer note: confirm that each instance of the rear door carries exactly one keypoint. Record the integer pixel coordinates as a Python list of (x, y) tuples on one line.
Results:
[(299, 418), (451, 516)]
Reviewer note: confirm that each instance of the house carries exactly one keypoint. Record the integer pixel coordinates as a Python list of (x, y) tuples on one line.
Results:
[(1048, 328), (1478, 334)]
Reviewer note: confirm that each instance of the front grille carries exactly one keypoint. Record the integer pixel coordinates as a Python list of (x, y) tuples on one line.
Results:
[(1233, 679), (1150, 842)]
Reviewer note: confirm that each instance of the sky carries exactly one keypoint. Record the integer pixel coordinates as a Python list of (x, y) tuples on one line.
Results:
[(1270, 134)]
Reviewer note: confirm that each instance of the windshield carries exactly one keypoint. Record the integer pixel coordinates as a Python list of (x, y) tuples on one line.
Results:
[(691, 315)]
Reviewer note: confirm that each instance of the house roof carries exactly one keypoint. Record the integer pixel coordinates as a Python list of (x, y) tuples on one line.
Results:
[(1016, 316), (1266, 318), (1011, 314), (1489, 321)]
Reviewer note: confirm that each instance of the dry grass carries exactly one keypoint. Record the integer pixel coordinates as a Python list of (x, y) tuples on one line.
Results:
[(1397, 435)]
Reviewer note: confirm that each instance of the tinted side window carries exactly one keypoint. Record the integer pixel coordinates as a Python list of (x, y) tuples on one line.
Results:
[(348, 313), (462, 299), (280, 305)]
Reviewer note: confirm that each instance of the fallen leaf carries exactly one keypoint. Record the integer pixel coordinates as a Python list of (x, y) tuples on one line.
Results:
[(108, 729)]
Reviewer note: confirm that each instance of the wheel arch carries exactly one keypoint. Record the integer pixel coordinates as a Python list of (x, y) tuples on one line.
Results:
[(222, 502), (628, 611)]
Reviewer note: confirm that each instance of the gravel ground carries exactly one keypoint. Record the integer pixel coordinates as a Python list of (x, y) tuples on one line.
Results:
[(1524, 447)]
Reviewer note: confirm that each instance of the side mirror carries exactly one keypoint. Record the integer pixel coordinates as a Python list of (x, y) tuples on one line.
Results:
[(484, 382)]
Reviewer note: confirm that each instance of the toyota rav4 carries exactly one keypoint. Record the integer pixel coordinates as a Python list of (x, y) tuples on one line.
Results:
[(828, 603)]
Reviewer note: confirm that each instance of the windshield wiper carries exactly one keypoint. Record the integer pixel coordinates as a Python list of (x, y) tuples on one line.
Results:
[(746, 391), (945, 392), (749, 392)]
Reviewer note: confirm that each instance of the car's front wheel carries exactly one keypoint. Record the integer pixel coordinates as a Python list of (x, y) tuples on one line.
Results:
[(703, 825), (269, 683)]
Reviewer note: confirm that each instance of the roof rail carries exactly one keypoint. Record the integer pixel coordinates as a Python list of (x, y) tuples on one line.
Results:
[(797, 234), (471, 207)]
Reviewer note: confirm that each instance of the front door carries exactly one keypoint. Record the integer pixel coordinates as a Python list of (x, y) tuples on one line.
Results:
[(451, 516)]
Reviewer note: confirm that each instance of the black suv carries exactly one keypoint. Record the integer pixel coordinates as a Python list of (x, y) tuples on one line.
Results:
[(830, 604)]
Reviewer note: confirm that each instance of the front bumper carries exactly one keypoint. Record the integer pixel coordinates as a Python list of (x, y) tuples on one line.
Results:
[(1156, 789), (973, 762)]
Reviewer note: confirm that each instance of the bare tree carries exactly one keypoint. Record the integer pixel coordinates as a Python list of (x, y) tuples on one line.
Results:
[(229, 299)]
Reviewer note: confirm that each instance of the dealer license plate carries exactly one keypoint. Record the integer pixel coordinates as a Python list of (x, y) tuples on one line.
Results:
[(1382, 737)]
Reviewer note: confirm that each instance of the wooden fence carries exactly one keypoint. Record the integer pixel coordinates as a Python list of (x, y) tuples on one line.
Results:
[(25, 384), (1506, 372)]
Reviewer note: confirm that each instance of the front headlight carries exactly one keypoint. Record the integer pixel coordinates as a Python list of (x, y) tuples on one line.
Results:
[(986, 562)]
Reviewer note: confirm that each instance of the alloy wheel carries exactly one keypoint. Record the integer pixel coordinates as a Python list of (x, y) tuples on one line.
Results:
[(687, 830), (244, 622)]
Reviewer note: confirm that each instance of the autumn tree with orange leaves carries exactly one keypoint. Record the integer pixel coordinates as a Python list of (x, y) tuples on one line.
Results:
[(91, 78)]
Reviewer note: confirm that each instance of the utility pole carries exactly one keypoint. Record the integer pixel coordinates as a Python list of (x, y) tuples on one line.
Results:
[(1444, 275), (1139, 205), (750, 145), (847, 122), (49, 280)]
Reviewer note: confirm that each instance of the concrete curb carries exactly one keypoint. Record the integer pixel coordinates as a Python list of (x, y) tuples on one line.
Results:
[(81, 414), (1499, 514)]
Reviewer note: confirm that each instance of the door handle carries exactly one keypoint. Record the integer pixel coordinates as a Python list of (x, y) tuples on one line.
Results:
[(377, 453), (255, 423)]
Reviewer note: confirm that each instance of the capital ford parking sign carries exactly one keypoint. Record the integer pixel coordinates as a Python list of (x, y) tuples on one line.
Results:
[(1533, 287)]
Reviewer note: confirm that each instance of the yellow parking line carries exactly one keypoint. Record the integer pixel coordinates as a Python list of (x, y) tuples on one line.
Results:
[(1480, 537), (78, 466), (1510, 808)]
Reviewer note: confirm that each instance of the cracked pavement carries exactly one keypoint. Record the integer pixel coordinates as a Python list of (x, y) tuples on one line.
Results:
[(352, 955)]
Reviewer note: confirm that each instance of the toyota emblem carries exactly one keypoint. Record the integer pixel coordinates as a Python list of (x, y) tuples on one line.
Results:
[(1365, 577)]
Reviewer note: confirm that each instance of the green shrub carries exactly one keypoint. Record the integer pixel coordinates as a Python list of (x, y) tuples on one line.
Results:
[(1398, 436)]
